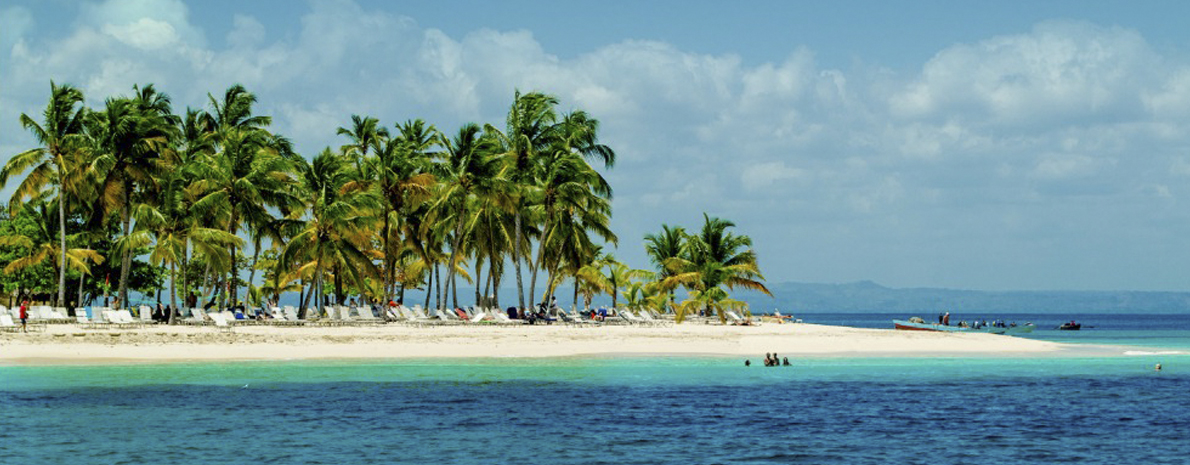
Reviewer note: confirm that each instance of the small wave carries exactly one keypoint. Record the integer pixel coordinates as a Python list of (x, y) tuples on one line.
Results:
[(1159, 352)]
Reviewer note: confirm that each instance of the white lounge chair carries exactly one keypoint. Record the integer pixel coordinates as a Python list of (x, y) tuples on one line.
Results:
[(221, 322), (6, 323)]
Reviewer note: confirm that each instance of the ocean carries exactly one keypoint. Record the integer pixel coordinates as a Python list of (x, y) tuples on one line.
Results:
[(641, 410)]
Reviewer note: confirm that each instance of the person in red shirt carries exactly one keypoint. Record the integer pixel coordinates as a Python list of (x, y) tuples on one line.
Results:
[(24, 315)]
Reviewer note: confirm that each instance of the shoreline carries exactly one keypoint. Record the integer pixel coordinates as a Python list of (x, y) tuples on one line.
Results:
[(72, 345)]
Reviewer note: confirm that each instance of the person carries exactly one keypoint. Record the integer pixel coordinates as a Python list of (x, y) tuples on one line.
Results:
[(747, 363), (786, 361), (776, 360), (946, 319), (768, 359), (24, 315), (939, 318), (1158, 367)]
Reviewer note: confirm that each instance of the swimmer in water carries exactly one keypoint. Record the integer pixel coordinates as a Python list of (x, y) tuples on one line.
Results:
[(1158, 367)]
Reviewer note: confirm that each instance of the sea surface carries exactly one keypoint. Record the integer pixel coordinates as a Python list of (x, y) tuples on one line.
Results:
[(688, 410)]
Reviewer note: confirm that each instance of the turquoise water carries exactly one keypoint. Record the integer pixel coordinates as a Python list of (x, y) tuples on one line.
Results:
[(1106, 410)]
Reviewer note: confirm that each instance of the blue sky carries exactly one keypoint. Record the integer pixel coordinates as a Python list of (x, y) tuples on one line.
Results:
[(982, 145)]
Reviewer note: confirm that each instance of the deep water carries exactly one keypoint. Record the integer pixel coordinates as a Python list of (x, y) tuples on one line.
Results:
[(616, 411)]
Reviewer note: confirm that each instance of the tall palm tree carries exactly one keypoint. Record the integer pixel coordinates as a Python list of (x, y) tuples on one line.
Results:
[(171, 226), (248, 170), (716, 258), (399, 169), (527, 133), (130, 136), (470, 173), (337, 228), (568, 189), (60, 135)]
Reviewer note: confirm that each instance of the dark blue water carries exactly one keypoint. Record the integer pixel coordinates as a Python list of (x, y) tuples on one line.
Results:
[(602, 411)]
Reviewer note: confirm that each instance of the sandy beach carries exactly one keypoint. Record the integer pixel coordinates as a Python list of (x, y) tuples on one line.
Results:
[(71, 344)]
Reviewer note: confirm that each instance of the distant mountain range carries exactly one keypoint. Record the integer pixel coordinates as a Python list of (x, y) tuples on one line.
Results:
[(867, 296)]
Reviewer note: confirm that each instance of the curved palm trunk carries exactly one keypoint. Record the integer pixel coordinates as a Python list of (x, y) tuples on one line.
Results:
[(516, 257), (478, 278), (454, 256), (126, 255), (541, 246), (62, 244), (438, 285), (318, 284), (429, 286), (255, 257), (615, 292), (232, 286), (388, 269), (173, 295)]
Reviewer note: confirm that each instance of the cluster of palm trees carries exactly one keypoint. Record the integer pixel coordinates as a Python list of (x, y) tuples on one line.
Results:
[(389, 210)]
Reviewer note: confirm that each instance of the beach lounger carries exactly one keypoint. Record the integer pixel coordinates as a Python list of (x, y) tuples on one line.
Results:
[(7, 324), (197, 316), (477, 317), (502, 318), (124, 317), (221, 322), (735, 319)]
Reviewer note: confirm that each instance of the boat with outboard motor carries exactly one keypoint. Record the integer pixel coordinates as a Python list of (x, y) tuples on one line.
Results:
[(917, 324)]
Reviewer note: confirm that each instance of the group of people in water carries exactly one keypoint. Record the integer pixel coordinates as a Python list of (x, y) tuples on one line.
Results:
[(771, 360)]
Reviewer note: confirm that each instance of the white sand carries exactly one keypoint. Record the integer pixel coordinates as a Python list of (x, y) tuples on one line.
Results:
[(72, 344)]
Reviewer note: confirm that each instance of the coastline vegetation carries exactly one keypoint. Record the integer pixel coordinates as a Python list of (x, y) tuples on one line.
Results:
[(133, 197)]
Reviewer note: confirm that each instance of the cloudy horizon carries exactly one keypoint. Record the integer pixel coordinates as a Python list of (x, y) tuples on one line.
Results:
[(996, 151)]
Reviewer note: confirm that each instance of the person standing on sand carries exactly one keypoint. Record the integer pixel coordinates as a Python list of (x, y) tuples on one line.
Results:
[(24, 315)]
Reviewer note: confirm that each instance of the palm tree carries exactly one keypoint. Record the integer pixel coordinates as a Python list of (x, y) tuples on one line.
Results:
[(573, 198), (61, 138), (173, 230), (619, 275), (130, 136), (248, 170), (716, 258), (42, 246), (663, 247), (527, 133), (470, 173), (399, 169), (337, 227)]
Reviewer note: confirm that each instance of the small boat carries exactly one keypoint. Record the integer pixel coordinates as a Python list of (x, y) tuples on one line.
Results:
[(915, 326), (1071, 326), (1025, 329)]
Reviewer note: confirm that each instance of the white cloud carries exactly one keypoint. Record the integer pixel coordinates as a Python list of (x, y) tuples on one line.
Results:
[(760, 177), (1059, 72)]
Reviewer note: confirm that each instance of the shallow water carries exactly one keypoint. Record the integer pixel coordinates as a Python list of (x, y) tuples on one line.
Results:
[(602, 410)]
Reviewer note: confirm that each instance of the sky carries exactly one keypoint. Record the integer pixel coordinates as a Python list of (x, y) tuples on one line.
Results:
[(975, 145)]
